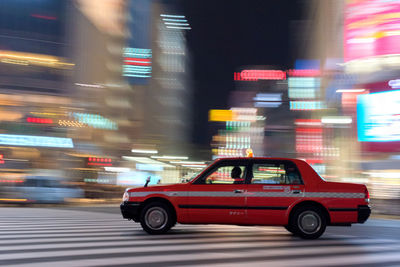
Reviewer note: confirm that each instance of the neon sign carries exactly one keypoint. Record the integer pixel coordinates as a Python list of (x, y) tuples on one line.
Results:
[(99, 161), (304, 73), (307, 105), (39, 120), (255, 75), (137, 63), (36, 141)]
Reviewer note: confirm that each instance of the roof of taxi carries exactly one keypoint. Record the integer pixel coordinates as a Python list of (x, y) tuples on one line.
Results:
[(256, 158)]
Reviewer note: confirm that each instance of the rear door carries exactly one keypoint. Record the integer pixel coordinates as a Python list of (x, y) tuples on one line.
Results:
[(217, 197), (273, 186)]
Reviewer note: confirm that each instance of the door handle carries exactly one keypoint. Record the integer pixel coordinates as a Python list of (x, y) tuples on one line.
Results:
[(296, 191), (238, 191)]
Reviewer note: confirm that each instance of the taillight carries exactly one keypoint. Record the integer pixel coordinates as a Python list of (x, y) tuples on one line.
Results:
[(366, 195), (125, 197)]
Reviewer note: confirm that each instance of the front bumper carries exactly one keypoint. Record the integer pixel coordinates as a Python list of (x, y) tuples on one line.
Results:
[(363, 213), (130, 210)]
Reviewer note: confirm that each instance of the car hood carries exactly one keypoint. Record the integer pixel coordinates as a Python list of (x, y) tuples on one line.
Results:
[(169, 187)]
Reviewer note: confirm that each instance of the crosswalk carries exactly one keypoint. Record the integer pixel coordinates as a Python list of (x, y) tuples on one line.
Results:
[(60, 237)]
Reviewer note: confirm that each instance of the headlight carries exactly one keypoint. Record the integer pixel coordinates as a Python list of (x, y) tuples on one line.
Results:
[(125, 197)]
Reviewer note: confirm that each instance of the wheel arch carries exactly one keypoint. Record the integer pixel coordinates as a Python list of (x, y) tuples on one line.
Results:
[(159, 199), (309, 203)]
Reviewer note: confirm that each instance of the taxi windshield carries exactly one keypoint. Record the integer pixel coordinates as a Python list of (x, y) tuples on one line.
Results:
[(195, 174)]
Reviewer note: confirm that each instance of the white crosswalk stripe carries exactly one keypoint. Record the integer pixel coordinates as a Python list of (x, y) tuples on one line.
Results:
[(60, 237)]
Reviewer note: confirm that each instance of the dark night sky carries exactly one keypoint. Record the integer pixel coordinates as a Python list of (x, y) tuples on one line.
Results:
[(226, 35)]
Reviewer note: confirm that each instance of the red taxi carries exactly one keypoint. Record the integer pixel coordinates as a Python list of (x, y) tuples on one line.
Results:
[(250, 191)]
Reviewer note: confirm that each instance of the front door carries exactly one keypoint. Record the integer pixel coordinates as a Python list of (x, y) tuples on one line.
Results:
[(274, 186), (219, 195)]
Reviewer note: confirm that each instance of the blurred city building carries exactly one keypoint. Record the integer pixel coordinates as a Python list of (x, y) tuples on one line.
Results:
[(89, 87), (355, 42), (36, 74)]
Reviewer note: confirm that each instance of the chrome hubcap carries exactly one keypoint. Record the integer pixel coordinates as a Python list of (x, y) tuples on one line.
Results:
[(309, 222), (156, 218)]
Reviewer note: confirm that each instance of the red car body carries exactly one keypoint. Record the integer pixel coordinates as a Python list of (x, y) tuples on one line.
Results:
[(247, 203)]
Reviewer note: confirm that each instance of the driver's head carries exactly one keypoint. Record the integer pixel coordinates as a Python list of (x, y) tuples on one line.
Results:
[(236, 172)]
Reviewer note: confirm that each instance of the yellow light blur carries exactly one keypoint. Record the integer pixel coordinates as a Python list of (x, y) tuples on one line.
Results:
[(14, 199), (220, 115), (22, 58), (10, 116), (71, 123)]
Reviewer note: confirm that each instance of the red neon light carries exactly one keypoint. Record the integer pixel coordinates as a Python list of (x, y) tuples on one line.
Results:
[(263, 74), (43, 17), (138, 64), (138, 59), (11, 181), (304, 73), (95, 160), (39, 120), (309, 130)]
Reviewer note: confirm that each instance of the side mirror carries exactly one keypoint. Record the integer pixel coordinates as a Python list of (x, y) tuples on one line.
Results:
[(147, 181)]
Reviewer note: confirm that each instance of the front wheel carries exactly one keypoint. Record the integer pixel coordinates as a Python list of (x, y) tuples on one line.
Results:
[(308, 222), (156, 218)]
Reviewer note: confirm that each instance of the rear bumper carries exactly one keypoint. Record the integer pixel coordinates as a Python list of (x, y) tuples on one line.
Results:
[(130, 210), (363, 213)]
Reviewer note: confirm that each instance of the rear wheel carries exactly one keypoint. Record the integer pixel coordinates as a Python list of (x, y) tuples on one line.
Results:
[(308, 222), (156, 218)]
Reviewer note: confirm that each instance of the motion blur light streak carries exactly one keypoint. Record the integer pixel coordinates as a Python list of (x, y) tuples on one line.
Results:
[(47, 17), (308, 122), (89, 85), (336, 120), (307, 105), (14, 199), (187, 162), (172, 16), (394, 83), (38, 141), (150, 167), (117, 169), (169, 157), (304, 73), (144, 151), (179, 28), (23, 58), (145, 160), (350, 90), (39, 120), (94, 120)]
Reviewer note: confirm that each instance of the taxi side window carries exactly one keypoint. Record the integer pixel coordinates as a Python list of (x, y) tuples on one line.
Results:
[(232, 174), (275, 173)]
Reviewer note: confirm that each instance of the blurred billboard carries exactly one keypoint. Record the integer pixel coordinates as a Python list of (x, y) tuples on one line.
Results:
[(372, 28), (378, 117)]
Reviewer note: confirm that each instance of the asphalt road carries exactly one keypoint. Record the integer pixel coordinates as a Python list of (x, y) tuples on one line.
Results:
[(98, 236)]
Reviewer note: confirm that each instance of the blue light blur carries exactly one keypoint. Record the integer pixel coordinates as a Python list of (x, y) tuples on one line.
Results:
[(37, 141), (378, 117)]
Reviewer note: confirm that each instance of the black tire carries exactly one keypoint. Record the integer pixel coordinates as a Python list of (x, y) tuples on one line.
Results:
[(308, 222), (290, 229), (157, 218)]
